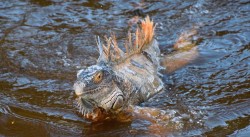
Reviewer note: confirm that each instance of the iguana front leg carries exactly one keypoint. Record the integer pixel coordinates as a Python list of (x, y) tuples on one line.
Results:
[(185, 51)]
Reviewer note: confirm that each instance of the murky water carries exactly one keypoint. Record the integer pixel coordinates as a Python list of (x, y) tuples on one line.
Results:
[(43, 43)]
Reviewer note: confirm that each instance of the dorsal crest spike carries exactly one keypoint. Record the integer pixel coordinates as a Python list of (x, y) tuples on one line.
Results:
[(111, 52), (100, 49)]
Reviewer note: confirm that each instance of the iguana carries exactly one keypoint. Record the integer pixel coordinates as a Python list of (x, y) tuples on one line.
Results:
[(120, 79)]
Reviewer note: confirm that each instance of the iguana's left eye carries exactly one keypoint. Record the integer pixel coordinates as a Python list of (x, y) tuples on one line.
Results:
[(98, 77)]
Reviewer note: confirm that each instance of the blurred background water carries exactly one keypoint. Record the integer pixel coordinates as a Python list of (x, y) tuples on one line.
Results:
[(44, 42)]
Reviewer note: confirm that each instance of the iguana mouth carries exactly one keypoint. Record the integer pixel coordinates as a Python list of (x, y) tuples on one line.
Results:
[(90, 110)]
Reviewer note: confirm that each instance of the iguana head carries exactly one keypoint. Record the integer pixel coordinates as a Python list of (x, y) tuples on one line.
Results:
[(96, 88)]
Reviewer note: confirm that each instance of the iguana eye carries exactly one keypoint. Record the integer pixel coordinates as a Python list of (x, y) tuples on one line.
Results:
[(98, 77)]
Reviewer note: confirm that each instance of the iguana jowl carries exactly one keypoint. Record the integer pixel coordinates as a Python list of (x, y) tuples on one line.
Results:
[(120, 79)]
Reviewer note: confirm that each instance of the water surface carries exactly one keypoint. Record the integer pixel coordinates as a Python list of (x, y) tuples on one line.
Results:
[(43, 44)]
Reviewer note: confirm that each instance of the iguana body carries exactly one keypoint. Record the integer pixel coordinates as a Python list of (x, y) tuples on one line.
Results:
[(119, 79)]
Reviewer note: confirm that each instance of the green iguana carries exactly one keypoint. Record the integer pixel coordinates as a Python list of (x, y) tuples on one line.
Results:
[(120, 79)]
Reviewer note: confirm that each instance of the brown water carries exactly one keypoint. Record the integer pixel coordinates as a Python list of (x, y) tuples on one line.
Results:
[(43, 44)]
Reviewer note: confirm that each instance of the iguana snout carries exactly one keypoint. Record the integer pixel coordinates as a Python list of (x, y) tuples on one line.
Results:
[(96, 88)]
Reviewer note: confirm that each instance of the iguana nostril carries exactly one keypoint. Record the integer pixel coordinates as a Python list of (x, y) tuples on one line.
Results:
[(118, 103)]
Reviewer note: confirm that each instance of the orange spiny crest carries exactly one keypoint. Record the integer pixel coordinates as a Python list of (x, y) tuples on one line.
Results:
[(143, 36), (144, 33), (148, 29)]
